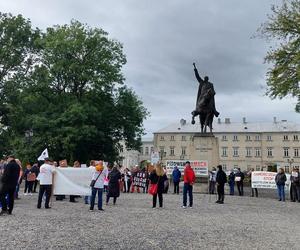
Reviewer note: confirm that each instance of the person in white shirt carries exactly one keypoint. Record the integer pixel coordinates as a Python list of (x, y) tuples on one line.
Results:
[(46, 179), (98, 178)]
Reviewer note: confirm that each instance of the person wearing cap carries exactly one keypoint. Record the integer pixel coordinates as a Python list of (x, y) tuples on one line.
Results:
[(46, 179), (8, 185), (189, 179)]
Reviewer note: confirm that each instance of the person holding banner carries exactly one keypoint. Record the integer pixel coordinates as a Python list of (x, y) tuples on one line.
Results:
[(249, 174), (280, 180), (158, 178), (97, 185), (239, 179), (189, 179)]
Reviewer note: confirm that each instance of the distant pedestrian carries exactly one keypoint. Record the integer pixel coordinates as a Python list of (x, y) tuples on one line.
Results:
[(158, 177), (46, 179), (253, 190), (212, 181), (9, 181), (29, 178), (231, 182), (35, 169), (127, 180), (221, 179), (295, 185), (176, 175), (239, 179), (114, 178), (97, 188), (189, 179), (19, 180), (280, 180)]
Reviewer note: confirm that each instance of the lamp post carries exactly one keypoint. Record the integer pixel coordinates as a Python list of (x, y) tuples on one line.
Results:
[(290, 161)]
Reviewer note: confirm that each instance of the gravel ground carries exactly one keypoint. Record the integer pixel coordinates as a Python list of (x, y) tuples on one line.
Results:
[(241, 223)]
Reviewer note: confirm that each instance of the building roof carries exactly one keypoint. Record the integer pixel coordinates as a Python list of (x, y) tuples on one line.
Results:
[(234, 127)]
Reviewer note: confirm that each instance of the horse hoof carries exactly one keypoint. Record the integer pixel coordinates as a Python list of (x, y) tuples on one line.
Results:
[(193, 122)]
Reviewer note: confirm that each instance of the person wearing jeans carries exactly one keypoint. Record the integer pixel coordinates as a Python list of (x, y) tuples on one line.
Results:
[(189, 179), (280, 180), (98, 177)]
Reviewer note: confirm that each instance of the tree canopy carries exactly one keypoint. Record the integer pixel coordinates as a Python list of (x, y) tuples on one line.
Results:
[(283, 78), (66, 86)]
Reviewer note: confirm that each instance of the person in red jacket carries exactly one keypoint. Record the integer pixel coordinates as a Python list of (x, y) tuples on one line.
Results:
[(189, 179)]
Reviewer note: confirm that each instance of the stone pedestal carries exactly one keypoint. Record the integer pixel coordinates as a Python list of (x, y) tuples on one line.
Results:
[(205, 147)]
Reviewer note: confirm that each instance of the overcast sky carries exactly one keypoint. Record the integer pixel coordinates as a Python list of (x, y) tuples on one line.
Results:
[(161, 41)]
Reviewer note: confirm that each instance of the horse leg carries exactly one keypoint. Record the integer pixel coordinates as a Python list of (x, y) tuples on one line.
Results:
[(201, 122)]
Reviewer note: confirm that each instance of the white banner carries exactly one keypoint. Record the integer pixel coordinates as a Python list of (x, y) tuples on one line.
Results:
[(200, 167), (73, 181), (263, 179)]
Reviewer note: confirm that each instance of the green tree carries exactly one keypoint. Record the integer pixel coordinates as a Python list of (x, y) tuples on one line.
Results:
[(283, 78), (74, 98)]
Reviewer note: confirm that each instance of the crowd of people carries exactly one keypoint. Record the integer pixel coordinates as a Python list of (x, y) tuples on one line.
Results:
[(112, 180)]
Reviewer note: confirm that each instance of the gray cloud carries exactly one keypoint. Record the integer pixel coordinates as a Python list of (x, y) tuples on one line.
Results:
[(163, 38)]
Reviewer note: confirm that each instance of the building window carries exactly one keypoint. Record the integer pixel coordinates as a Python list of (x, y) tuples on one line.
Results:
[(248, 152), (248, 138), (161, 149), (224, 138), (257, 152), (224, 151), (270, 152), (296, 152), (183, 138), (287, 169), (224, 167), (269, 138), (285, 138), (142, 150), (162, 138), (235, 152), (257, 138), (183, 150), (146, 151), (152, 149), (172, 151), (235, 138), (295, 137), (286, 152), (172, 138)]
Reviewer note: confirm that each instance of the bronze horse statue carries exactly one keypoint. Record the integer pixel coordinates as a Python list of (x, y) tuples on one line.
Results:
[(205, 105)]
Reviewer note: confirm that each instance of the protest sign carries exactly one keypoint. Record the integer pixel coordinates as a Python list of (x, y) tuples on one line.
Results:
[(264, 179), (72, 181), (200, 167), (140, 179), (154, 157)]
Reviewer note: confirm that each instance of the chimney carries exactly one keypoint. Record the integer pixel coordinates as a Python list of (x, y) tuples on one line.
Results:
[(274, 119), (219, 120), (244, 120), (227, 120)]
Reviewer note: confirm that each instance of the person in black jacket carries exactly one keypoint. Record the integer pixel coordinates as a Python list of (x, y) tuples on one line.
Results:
[(239, 178), (113, 185), (9, 182), (35, 169), (159, 177), (221, 179)]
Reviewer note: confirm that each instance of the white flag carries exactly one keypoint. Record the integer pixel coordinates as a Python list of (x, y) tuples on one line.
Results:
[(43, 155)]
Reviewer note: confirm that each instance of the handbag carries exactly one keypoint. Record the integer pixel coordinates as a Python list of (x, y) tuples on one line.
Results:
[(31, 177), (93, 182), (153, 188)]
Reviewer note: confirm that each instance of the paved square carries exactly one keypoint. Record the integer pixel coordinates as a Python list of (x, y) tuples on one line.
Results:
[(241, 223)]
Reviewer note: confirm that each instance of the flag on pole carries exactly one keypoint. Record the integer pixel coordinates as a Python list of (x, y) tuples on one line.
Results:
[(43, 155)]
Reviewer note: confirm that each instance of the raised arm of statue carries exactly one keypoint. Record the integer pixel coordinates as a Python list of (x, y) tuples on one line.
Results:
[(199, 79)]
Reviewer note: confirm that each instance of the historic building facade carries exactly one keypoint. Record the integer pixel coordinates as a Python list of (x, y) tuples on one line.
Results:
[(246, 144)]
